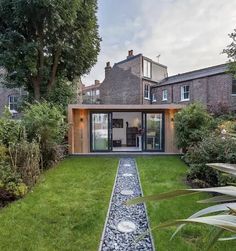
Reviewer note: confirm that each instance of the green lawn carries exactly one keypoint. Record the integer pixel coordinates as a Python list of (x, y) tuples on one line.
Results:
[(65, 211), (162, 174)]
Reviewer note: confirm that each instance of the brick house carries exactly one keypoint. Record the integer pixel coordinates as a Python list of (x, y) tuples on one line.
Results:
[(128, 81), (211, 86), (140, 80)]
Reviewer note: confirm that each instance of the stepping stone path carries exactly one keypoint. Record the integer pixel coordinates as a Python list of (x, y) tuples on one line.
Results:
[(125, 224)]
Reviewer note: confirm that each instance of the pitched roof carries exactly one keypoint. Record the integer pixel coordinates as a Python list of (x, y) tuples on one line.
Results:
[(128, 59), (205, 72)]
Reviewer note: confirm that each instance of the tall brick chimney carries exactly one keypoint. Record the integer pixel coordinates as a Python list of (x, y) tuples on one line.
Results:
[(107, 68), (130, 53)]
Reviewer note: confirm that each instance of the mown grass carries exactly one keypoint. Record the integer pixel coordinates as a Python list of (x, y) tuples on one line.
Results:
[(65, 211), (162, 174)]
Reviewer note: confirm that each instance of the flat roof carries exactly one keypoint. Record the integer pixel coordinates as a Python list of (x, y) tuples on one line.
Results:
[(126, 107)]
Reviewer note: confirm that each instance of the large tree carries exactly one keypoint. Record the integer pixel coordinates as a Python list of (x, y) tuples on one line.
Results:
[(231, 53), (45, 40)]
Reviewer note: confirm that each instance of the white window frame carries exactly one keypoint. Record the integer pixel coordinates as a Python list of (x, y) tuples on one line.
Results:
[(97, 92), (147, 72), (154, 98), (183, 92), (164, 95), (12, 101), (146, 91)]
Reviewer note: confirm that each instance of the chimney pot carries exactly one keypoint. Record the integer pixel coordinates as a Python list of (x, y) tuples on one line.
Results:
[(130, 53), (96, 82), (108, 64)]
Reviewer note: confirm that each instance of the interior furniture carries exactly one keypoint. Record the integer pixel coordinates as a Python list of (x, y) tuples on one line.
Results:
[(131, 133), (116, 143)]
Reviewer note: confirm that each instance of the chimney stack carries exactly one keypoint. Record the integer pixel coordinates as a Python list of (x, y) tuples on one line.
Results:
[(107, 68), (130, 53), (96, 82)]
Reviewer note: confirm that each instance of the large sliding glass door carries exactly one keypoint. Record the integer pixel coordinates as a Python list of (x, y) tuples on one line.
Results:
[(101, 132), (154, 131), (101, 135)]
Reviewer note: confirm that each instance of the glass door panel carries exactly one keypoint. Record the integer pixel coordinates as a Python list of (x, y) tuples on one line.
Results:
[(100, 132), (154, 132)]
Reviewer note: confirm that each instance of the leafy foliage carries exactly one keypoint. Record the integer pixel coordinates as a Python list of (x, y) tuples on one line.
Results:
[(216, 147), (42, 41), (212, 148), (10, 130), (191, 125), (11, 185), (62, 94), (231, 53), (45, 123), (27, 144)]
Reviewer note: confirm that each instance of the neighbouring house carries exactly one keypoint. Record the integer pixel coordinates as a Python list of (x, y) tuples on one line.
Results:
[(212, 86), (140, 80), (133, 108), (127, 82), (91, 93), (10, 98)]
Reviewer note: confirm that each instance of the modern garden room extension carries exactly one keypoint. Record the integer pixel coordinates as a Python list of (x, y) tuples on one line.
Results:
[(122, 128)]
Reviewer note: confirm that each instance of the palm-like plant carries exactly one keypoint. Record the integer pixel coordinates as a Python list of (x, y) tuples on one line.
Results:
[(221, 215)]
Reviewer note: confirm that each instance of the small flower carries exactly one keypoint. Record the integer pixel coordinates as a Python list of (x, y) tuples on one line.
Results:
[(223, 131)]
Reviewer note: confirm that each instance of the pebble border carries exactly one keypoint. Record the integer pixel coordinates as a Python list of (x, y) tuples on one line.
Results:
[(112, 238)]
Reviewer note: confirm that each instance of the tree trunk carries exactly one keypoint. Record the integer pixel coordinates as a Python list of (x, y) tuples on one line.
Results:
[(36, 87), (54, 70)]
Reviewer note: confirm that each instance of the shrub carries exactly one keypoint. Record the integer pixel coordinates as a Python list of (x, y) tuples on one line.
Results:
[(3, 153), (25, 160), (45, 122), (192, 124), (63, 93), (213, 148), (228, 125), (11, 185), (17, 189), (10, 130), (200, 175)]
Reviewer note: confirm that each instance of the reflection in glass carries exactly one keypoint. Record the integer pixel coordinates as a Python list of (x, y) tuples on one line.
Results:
[(100, 131), (154, 131)]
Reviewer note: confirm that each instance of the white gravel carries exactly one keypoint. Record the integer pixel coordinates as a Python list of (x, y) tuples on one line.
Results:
[(119, 214)]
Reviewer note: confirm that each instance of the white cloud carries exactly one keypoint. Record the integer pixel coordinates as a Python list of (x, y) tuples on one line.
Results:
[(189, 34)]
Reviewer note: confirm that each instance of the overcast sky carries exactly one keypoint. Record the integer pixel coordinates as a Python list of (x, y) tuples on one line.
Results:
[(188, 34)]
